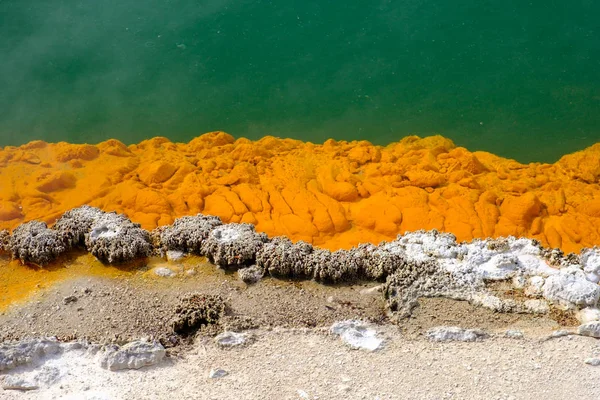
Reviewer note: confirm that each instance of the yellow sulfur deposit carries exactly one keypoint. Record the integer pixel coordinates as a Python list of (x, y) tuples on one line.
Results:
[(333, 195)]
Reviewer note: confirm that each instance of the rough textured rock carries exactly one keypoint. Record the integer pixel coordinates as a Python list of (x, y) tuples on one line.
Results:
[(233, 245), (13, 354), (455, 334), (76, 223), (187, 233), (33, 242), (590, 329), (282, 258), (251, 274), (133, 355), (571, 286), (113, 238), (197, 310)]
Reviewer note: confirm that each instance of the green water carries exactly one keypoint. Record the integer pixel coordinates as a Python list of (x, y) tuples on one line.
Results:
[(520, 79)]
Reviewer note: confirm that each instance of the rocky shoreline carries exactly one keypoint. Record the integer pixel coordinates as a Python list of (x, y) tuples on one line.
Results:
[(423, 287), (415, 265)]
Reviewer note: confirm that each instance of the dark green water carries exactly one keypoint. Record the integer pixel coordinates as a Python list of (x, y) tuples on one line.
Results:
[(520, 79)]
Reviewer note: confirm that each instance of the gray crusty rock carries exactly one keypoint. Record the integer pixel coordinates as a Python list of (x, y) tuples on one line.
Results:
[(13, 354), (590, 329), (75, 224), (33, 242), (233, 245), (133, 355), (251, 274), (187, 233), (282, 258), (113, 238), (454, 334)]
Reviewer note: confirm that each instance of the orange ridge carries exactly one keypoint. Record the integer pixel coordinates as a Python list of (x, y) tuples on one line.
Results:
[(333, 195)]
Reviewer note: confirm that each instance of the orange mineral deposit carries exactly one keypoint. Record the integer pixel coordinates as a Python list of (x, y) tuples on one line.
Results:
[(333, 195)]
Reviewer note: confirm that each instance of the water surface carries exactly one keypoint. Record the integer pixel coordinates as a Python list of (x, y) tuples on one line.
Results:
[(519, 79)]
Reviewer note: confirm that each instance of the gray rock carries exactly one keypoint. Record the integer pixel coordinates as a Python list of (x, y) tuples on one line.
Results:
[(357, 335), (33, 242), (231, 339), (113, 238), (217, 373), (73, 225), (187, 234), (594, 362), (250, 274), (571, 286), (513, 334), (70, 299), (29, 351), (590, 329), (133, 355), (164, 272), (233, 245), (454, 334), (17, 383)]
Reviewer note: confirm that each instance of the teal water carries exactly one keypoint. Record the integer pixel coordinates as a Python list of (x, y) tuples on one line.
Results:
[(519, 79)]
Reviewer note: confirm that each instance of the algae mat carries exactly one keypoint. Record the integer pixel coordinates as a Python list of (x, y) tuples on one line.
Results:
[(334, 195)]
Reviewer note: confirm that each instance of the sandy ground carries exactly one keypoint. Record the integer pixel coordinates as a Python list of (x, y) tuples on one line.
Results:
[(311, 364), (293, 354)]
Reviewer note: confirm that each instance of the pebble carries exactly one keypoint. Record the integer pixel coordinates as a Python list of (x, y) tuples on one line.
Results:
[(230, 339), (513, 334), (357, 335), (454, 334), (164, 272), (590, 329), (217, 373), (14, 383), (594, 362)]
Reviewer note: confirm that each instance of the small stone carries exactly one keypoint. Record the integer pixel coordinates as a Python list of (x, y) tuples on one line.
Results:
[(513, 334), (217, 373), (590, 329), (454, 334), (133, 355), (70, 299), (16, 383), (250, 274), (357, 335), (231, 339), (164, 272), (594, 362)]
